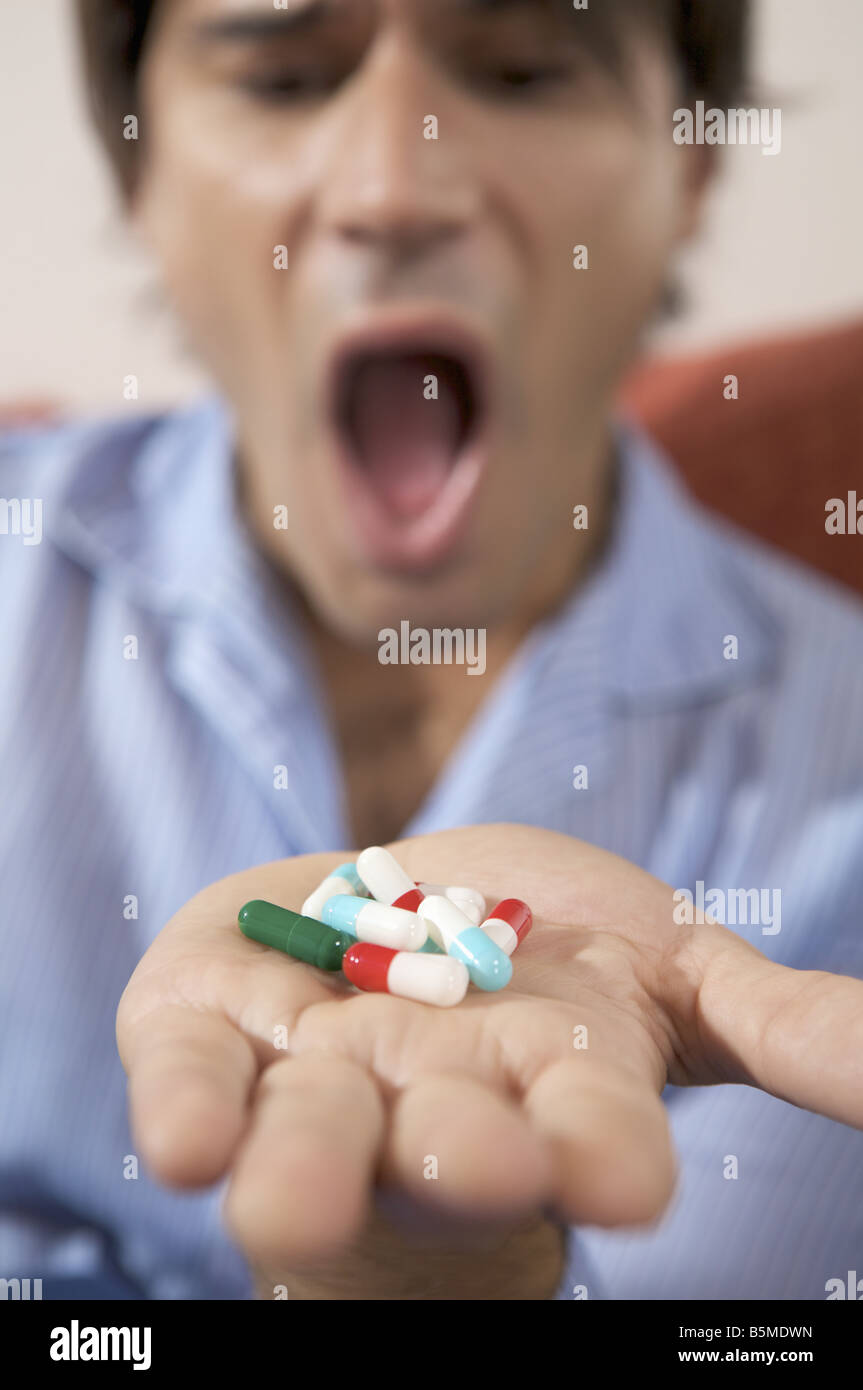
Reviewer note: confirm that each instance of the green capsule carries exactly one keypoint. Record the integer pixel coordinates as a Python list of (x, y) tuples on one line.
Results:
[(300, 937)]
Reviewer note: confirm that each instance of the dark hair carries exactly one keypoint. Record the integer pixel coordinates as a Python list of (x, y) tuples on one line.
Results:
[(709, 39)]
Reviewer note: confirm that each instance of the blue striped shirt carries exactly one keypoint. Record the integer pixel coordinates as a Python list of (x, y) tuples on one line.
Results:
[(128, 784)]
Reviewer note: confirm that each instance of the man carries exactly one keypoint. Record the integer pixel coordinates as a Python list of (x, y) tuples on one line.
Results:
[(366, 216)]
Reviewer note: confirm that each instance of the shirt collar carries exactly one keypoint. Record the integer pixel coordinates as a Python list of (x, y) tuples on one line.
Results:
[(152, 504), (154, 510), (150, 507)]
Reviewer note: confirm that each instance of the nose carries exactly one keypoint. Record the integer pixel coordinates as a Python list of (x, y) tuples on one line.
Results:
[(392, 185)]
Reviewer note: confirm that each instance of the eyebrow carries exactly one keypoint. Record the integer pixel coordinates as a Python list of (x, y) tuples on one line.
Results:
[(250, 27), (490, 6)]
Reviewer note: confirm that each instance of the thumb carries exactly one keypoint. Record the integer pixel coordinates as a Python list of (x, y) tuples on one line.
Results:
[(797, 1034)]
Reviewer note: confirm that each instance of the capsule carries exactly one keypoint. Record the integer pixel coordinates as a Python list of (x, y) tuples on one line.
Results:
[(488, 966), (431, 948), (298, 936), (469, 900), (508, 924), (386, 880), (439, 980), (344, 879), (376, 922)]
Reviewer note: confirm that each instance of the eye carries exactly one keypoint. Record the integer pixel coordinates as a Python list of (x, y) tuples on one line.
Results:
[(523, 77), (516, 79), (301, 84)]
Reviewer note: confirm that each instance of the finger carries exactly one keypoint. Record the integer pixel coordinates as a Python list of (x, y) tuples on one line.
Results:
[(190, 1075), (301, 1181), (608, 1135), (795, 1033), (455, 1143)]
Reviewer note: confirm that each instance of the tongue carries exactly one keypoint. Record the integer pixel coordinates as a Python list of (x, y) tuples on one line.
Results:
[(407, 445)]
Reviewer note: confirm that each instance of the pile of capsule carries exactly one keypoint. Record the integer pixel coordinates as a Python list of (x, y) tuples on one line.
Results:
[(391, 935)]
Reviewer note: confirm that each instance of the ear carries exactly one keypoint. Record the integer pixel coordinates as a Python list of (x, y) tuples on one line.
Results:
[(700, 167)]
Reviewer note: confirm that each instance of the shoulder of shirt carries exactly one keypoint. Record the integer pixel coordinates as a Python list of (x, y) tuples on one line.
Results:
[(804, 601), (53, 453), (812, 627), (47, 463), (93, 478), (689, 580)]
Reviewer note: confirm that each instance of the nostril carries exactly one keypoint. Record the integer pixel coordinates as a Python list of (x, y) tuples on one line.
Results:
[(402, 236), (403, 208)]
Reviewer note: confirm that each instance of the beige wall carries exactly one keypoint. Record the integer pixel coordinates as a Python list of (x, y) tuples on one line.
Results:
[(783, 245)]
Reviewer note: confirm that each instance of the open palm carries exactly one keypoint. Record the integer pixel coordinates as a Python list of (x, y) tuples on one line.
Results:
[(543, 1097)]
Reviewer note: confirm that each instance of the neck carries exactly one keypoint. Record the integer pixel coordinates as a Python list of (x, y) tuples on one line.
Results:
[(397, 724)]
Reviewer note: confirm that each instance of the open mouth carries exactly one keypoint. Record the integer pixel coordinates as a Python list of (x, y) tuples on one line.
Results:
[(409, 417), (406, 418)]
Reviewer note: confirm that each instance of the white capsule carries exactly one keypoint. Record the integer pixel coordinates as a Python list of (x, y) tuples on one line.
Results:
[(445, 921), (432, 890), (469, 900), (440, 980), (391, 926), (383, 875), (331, 886)]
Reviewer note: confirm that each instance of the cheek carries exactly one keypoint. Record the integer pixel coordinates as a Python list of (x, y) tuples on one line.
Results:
[(214, 225), (638, 216), (618, 196), (619, 199)]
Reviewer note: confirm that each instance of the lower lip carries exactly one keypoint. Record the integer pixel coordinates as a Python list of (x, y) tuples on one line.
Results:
[(421, 543)]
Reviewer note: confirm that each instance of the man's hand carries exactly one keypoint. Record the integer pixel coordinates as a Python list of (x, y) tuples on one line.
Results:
[(485, 1118)]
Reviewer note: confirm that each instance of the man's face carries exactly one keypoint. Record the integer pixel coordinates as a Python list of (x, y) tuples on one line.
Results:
[(426, 385)]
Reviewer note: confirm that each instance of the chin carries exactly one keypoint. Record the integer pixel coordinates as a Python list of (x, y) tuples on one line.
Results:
[(359, 611)]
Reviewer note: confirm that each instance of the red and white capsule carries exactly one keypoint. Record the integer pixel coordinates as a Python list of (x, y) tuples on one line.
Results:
[(386, 880), (508, 924), (438, 980)]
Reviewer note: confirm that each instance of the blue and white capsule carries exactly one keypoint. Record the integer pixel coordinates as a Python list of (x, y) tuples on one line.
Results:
[(344, 879), (489, 967), (376, 922)]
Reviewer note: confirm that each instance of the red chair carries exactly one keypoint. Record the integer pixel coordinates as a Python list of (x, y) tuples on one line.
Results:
[(771, 460)]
